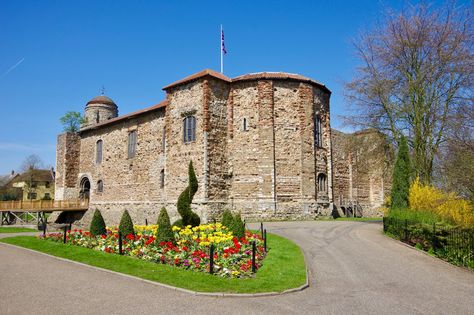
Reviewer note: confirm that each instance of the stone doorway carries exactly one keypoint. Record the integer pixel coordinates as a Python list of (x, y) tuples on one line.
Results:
[(85, 186)]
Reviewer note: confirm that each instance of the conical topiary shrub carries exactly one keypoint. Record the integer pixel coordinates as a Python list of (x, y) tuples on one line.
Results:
[(97, 224), (126, 224), (227, 219), (238, 226), (164, 232)]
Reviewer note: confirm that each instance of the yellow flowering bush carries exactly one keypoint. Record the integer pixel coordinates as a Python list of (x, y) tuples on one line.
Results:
[(446, 205)]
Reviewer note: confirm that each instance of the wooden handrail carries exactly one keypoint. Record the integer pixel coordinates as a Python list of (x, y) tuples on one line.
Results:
[(44, 205)]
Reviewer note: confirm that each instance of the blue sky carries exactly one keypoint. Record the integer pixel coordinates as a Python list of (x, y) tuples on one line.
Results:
[(56, 55)]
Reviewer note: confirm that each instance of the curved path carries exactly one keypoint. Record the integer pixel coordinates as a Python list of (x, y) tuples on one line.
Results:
[(354, 269)]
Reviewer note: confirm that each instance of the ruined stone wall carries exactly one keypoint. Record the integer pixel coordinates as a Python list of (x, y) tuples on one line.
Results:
[(67, 166), (362, 170), (128, 183)]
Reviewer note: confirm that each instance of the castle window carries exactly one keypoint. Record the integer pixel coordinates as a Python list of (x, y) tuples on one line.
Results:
[(31, 195), (162, 179), (244, 125), (322, 183), (100, 186), (47, 185), (97, 117), (189, 129), (98, 152), (163, 140), (318, 134), (132, 144)]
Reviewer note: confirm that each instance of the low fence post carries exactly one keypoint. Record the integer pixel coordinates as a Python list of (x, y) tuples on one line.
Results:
[(146, 222), (406, 230), (211, 257), (120, 243), (261, 228), (254, 249), (65, 230), (433, 239), (265, 240)]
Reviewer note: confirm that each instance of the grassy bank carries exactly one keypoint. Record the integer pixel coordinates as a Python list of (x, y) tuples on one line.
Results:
[(282, 269), (4, 229)]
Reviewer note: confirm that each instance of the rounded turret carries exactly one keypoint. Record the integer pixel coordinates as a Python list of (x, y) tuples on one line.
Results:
[(99, 109)]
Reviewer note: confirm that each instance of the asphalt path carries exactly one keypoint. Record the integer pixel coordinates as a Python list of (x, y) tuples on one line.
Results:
[(353, 268)]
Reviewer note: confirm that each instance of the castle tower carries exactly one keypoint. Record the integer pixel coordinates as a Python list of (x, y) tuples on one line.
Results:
[(99, 109)]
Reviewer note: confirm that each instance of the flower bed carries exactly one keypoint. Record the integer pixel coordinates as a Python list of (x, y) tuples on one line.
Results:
[(232, 256)]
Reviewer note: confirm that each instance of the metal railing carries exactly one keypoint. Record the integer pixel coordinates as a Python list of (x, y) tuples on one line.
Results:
[(453, 244)]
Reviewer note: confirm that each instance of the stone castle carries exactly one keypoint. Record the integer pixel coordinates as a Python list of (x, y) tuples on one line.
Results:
[(261, 145)]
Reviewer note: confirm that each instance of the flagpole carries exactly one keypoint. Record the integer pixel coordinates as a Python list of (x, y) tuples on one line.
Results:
[(222, 53)]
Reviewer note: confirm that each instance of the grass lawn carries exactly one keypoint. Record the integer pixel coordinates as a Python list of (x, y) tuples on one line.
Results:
[(282, 269), (4, 229)]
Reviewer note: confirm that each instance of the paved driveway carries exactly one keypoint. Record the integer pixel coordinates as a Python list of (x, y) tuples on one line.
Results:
[(354, 269)]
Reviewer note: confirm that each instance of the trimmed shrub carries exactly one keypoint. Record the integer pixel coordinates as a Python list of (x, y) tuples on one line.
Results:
[(401, 176), (126, 224), (238, 226), (227, 219), (188, 217), (97, 224), (164, 232)]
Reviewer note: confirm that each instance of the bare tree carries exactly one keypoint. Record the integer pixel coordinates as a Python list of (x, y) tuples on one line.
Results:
[(416, 74), (32, 161)]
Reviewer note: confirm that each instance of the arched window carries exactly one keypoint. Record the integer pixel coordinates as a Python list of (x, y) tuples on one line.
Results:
[(132, 144), (97, 116), (244, 125), (162, 179), (189, 129), (100, 186), (98, 152), (318, 132), (322, 183)]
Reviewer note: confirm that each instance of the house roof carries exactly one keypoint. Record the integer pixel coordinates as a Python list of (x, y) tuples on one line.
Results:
[(279, 76), (203, 73), (34, 175), (126, 117)]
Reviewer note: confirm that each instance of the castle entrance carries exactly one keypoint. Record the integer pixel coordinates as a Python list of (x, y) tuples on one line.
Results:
[(85, 185)]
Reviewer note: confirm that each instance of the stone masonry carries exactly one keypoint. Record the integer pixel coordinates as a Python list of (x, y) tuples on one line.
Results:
[(254, 151)]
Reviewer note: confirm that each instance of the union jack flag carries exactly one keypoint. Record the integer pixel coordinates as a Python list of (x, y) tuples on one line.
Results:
[(224, 51)]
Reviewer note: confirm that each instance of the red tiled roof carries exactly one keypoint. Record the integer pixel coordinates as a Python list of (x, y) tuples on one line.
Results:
[(128, 116), (198, 75), (278, 76)]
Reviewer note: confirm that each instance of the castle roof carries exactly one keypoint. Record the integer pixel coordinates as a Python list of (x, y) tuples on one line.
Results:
[(102, 99), (247, 77), (279, 76), (198, 75), (127, 116)]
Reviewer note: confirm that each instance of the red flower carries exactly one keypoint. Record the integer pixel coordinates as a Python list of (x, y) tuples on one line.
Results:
[(103, 236)]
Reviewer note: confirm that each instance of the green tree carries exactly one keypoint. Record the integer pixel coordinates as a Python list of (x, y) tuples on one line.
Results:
[(185, 199), (401, 176), (126, 224), (72, 121), (227, 219), (238, 226), (415, 73), (164, 232), (97, 224)]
